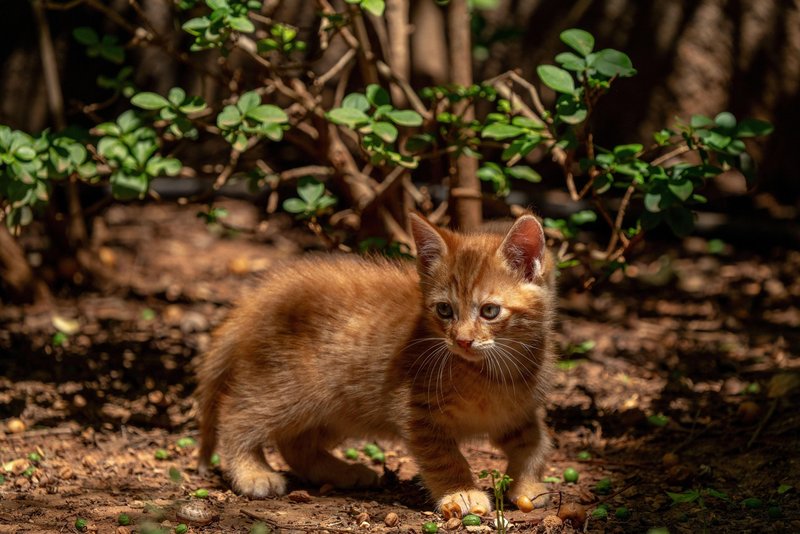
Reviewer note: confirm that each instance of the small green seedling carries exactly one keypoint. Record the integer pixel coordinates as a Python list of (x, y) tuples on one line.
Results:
[(430, 528), (28, 473), (601, 512), (148, 314), (175, 475), (752, 503), (783, 488), (186, 442), (603, 486), (351, 454), (81, 524), (551, 480), (658, 420), (201, 493), (571, 475), (471, 520), (181, 529), (124, 519), (260, 527), (59, 338), (500, 485), (214, 460), (162, 454), (584, 456), (35, 457), (622, 513)]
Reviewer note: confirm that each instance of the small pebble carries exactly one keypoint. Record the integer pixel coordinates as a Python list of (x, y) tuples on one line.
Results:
[(300, 496), (363, 517), (195, 512), (453, 523), (15, 425), (391, 519)]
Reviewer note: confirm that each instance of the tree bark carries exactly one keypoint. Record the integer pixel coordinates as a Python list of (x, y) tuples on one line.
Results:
[(465, 190), (15, 272)]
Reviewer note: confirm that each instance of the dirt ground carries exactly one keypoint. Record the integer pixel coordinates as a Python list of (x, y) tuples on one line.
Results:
[(695, 354)]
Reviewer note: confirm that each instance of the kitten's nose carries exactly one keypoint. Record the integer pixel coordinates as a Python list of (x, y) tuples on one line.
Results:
[(464, 343)]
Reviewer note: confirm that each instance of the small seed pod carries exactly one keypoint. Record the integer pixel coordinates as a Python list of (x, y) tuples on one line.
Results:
[(195, 512), (573, 512), (524, 504)]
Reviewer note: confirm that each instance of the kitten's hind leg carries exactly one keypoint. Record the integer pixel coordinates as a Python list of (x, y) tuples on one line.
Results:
[(251, 475), (307, 457)]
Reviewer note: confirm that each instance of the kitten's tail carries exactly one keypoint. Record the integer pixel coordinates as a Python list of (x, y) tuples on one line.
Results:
[(212, 376)]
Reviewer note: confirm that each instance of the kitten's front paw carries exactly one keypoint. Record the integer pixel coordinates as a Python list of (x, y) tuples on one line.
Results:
[(468, 501), (532, 491), (259, 484)]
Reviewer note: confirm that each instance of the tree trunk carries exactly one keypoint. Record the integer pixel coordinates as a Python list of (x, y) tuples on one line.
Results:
[(465, 190), (17, 275)]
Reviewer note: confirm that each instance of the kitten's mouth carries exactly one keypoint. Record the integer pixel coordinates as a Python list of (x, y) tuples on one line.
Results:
[(470, 354)]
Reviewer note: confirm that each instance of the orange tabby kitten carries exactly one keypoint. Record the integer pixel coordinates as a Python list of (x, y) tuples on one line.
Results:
[(342, 346)]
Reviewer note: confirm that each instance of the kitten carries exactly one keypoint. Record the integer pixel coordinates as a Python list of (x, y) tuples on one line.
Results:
[(342, 346)]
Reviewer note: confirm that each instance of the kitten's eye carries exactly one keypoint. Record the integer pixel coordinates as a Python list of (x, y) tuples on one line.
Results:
[(490, 311), (444, 310)]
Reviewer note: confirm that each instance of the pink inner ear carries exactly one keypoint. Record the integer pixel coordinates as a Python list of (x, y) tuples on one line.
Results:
[(523, 247)]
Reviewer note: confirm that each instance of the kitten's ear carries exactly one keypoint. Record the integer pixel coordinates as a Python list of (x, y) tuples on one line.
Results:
[(430, 244), (523, 247)]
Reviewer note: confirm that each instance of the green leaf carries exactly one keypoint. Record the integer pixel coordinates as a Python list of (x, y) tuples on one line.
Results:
[(523, 172), (610, 62), (556, 79), (753, 128), (579, 40), (783, 488), (128, 121), (570, 61), (241, 24), (196, 26), (688, 496), (112, 52), (294, 205), (718, 494), (405, 117), (725, 120), (267, 113), (273, 131), (569, 110), (248, 101), (176, 96), (347, 116), (700, 121), (680, 220), (25, 153), (149, 101), (85, 36), (491, 172), (310, 190), (375, 7), (356, 101), (192, 105), (623, 152), (125, 186), (499, 131), (377, 95), (385, 131), (658, 420), (652, 202), (683, 189), (229, 117), (579, 218), (661, 137)]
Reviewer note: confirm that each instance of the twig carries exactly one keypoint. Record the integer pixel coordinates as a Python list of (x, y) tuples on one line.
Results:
[(366, 58), (671, 154), (413, 99), (302, 526), (617, 227), (398, 54), (534, 94), (343, 62)]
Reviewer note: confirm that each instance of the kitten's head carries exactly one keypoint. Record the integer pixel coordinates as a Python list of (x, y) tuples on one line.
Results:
[(489, 296)]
